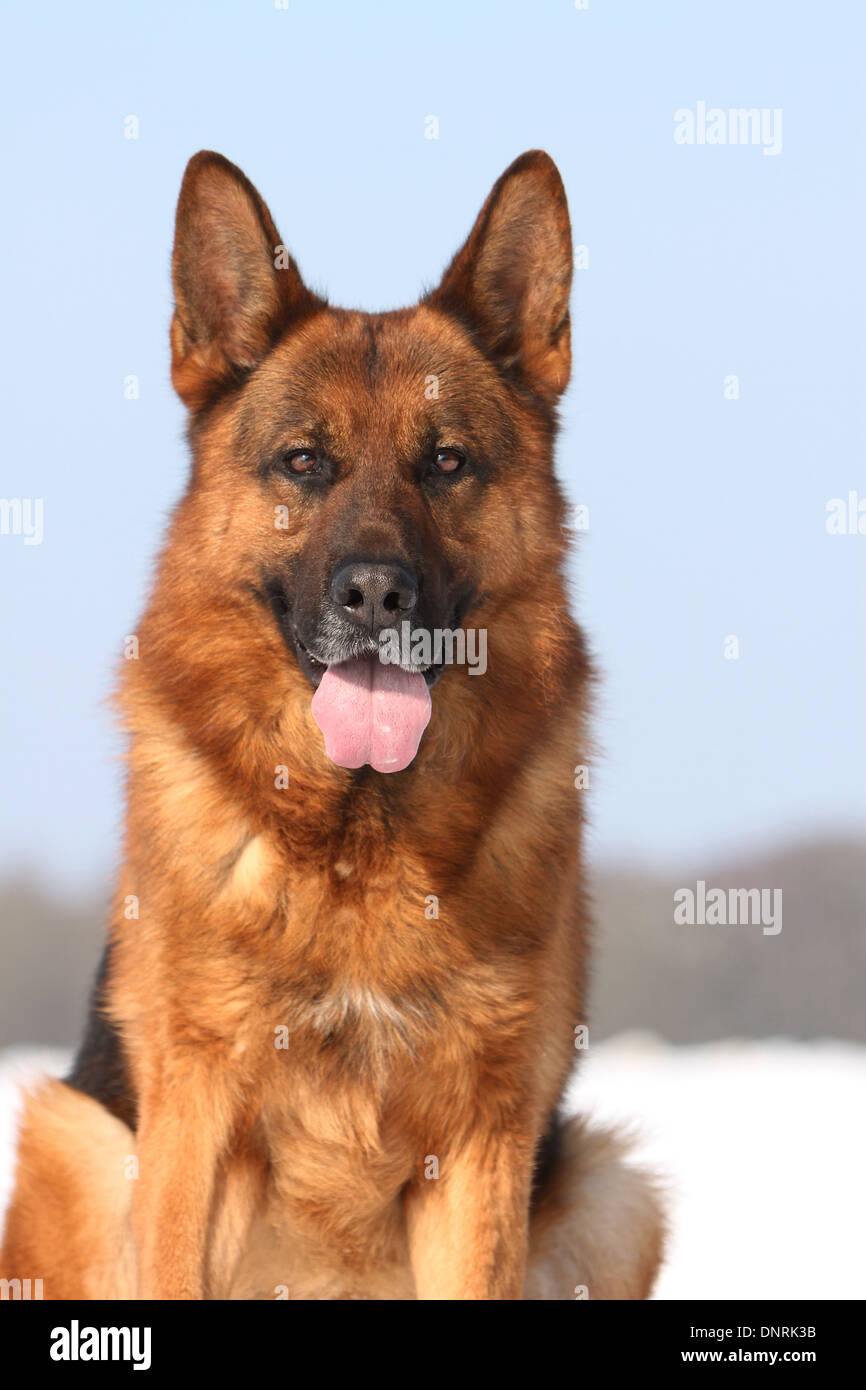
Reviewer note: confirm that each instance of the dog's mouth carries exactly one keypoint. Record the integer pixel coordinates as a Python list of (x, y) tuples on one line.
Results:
[(314, 667), (311, 666), (369, 711)]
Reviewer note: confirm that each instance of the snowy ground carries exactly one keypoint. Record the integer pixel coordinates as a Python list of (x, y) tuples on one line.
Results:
[(761, 1146)]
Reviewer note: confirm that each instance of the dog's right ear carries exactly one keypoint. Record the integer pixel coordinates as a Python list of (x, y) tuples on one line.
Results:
[(235, 286)]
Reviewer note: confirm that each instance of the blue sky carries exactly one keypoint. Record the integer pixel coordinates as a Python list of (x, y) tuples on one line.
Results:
[(707, 515)]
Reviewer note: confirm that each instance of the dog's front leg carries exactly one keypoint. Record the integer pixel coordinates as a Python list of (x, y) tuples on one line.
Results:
[(182, 1136), (468, 1227)]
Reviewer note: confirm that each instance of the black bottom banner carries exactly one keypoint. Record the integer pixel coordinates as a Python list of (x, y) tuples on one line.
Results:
[(255, 1339)]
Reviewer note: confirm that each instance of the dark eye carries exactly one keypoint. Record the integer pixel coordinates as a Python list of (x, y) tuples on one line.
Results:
[(448, 461), (301, 461)]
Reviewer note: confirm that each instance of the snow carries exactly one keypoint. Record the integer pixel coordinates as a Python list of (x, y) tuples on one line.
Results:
[(760, 1146)]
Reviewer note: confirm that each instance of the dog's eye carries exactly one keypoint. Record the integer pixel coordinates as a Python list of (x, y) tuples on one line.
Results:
[(448, 461), (301, 461)]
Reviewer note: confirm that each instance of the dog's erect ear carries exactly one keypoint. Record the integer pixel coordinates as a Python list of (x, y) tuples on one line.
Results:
[(512, 279), (235, 286)]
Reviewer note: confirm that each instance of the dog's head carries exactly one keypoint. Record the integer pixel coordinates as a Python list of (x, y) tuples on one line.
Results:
[(363, 476)]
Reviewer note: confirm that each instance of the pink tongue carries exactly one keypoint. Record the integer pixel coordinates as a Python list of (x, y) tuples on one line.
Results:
[(371, 712)]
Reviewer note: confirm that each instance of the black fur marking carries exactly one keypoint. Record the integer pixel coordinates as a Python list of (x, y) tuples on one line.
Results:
[(547, 1156), (100, 1069)]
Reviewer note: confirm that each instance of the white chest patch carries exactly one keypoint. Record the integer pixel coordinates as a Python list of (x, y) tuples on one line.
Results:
[(348, 1003)]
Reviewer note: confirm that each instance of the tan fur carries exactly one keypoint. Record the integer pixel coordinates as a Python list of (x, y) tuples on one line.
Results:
[(69, 1219), (597, 1234)]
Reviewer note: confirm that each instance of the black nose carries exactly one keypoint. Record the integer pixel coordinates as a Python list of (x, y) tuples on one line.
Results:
[(373, 595)]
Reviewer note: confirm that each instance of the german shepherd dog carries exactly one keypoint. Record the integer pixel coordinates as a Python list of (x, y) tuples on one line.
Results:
[(348, 949)]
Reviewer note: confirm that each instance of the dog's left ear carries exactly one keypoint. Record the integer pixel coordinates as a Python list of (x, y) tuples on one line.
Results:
[(511, 280)]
